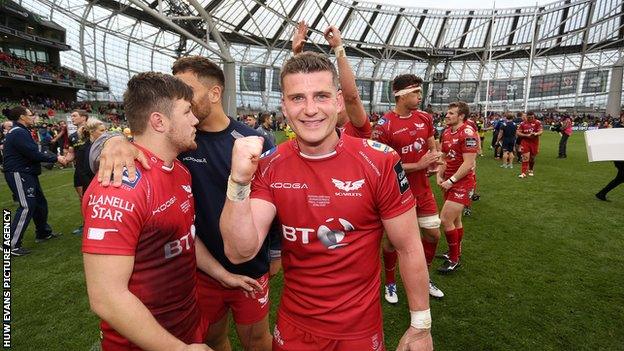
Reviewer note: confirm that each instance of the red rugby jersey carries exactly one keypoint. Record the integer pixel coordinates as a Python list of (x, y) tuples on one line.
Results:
[(363, 132), (454, 145), (331, 210), (152, 220), (408, 137), (528, 127)]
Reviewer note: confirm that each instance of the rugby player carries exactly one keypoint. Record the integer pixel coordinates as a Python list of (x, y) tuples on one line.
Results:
[(334, 196), (456, 178), (410, 132), (507, 138), (529, 131), (139, 247)]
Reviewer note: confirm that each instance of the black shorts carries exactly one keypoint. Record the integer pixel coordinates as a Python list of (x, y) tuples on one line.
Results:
[(508, 145), (81, 179)]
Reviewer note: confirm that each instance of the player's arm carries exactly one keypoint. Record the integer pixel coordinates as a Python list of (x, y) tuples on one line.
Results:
[(462, 171), (29, 149), (441, 170), (520, 134), (540, 131), (403, 232), (427, 160), (299, 37), (244, 222), (209, 265), (353, 103), (107, 279)]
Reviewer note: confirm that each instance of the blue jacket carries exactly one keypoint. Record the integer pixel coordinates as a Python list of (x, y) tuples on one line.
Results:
[(21, 153)]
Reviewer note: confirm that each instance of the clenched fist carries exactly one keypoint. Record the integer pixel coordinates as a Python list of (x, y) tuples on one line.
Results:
[(245, 156)]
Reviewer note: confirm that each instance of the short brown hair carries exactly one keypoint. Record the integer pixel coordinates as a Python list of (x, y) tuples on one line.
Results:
[(462, 107), (201, 66), (530, 113), (150, 92), (309, 62), (82, 113)]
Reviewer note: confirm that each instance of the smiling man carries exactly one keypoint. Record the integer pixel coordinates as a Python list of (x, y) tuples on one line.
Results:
[(349, 190)]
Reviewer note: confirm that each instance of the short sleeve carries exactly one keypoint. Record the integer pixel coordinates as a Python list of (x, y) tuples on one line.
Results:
[(260, 185), (379, 132), (394, 196), (363, 132), (470, 143), (114, 218)]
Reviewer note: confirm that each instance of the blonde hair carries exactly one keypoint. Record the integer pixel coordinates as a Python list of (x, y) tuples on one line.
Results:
[(90, 126)]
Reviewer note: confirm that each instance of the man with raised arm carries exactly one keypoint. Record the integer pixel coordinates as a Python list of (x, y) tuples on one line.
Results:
[(334, 196)]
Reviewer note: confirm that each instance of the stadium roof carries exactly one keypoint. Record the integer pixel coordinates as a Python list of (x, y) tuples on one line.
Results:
[(117, 38), (392, 32)]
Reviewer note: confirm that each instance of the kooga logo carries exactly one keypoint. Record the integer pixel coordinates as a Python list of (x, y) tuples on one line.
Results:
[(282, 185)]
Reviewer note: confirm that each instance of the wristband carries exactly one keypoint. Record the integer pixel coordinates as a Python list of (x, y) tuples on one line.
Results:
[(453, 179), (421, 319), (339, 51), (237, 192)]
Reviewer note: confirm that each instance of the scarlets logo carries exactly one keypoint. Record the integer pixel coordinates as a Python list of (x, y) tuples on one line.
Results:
[(348, 185)]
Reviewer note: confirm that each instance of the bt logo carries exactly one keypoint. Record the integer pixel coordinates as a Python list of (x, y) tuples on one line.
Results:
[(331, 233)]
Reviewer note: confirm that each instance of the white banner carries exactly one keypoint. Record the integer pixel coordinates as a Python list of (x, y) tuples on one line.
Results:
[(605, 144)]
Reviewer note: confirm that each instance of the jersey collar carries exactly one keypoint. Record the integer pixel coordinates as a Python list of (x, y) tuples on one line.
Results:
[(326, 156), (155, 161)]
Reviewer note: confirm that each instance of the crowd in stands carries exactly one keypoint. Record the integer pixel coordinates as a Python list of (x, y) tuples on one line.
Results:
[(20, 65)]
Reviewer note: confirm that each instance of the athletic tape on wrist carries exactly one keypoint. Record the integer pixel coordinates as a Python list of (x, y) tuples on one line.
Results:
[(339, 51), (453, 179), (237, 192), (421, 319)]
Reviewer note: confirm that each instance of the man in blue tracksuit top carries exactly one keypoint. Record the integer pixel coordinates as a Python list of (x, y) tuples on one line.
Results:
[(22, 166), (222, 286)]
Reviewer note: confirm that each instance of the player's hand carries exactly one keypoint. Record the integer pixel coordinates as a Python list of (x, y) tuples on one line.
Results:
[(117, 154), (62, 160), (245, 157), (433, 169), (299, 37), (196, 347), (237, 281), (428, 159), (416, 340), (70, 155), (446, 185), (333, 37)]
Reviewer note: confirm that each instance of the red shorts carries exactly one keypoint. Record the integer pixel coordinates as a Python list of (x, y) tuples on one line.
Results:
[(288, 337), (113, 341), (426, 205), (529, 147), (214, 301), (460, 193)]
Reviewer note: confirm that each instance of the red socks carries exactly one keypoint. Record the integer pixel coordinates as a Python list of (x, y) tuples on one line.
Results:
[(390, 260), (525, 167), (430, 250), (460, 235), (452, 238)]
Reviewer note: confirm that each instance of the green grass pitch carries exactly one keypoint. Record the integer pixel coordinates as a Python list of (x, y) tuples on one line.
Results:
[(542, 266)]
